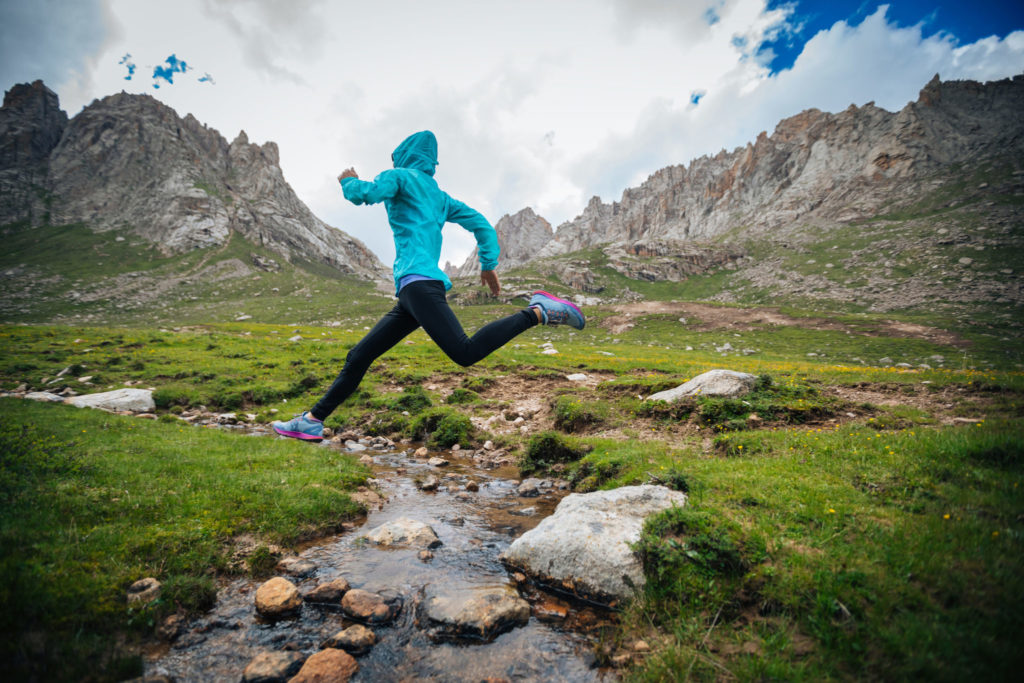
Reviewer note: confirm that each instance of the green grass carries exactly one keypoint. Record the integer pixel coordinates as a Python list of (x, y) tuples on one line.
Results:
[(93, 502), (876, 554)]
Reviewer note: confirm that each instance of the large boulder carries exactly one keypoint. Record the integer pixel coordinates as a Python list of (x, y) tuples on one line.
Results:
[(480, 612), (719, 382), (134, 400), (584, 547), (404, 532)]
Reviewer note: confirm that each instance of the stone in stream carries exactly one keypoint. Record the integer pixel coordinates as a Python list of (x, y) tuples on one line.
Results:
[(143, 591), (584, 547), (327, 666), (718, 382), (277, 597), (427, 483), (370, 607), (478, 612), (437, 462), (531, 487), (134, 400), (330, 592), (296, 566), (355, 640), (404, 532), (273, 667)]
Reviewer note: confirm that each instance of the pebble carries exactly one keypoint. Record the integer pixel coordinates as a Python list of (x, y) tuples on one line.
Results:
[(421, 452), (277, 597), (270, 666), (437, 462)]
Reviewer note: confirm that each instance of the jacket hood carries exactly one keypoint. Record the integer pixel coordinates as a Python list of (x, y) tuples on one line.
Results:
[(418, 151)]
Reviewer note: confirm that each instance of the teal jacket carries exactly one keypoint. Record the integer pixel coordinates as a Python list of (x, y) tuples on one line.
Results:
[(418, 209)]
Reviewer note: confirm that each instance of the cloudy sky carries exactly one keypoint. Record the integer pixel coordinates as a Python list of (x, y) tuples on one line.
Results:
[(535, 103)]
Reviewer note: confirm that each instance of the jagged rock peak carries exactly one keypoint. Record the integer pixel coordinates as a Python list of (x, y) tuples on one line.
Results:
[(129, 162), (816, 167), (521, 236), (31, 124)]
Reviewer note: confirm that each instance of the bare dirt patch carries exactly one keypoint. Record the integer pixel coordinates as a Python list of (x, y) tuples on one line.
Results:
[(747, 319)]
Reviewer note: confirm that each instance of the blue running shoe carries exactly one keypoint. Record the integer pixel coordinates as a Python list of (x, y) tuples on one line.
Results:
[(558, 311), (304, 427)]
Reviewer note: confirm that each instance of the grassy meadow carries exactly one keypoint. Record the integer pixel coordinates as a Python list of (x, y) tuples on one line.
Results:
[(866, 523)]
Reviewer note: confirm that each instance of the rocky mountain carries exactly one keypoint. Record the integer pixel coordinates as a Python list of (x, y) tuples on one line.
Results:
[(816, 168), (129, 163), (521, 236)]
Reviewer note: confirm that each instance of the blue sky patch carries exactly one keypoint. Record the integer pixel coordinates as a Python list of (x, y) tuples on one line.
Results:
[(166, 73), (129, 64), (966, 21)]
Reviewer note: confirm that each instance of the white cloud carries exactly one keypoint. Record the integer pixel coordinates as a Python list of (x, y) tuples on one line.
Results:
[(873, 61), (534, 103)]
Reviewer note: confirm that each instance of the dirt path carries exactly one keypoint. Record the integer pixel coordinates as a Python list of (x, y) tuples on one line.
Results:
[(709, 317)]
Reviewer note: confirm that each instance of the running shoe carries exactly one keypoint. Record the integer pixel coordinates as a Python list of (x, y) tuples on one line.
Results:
[(304, 427), (558, 311)]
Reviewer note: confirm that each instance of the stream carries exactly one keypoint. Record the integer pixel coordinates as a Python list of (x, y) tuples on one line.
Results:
[(557, 644)]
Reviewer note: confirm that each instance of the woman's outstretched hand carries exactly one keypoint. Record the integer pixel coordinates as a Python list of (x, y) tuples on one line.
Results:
[(490, 278), (348, 173)]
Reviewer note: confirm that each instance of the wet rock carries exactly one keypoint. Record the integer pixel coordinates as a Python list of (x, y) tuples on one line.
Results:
[(425, 555), (354, 446), (480, 612), (472, 486), (718, 382), (421, 452), (530, 488), (327, 666), (404, 532), (277, 597), (584, 547), (366, 459), (135, 400), (355, 640), (370, 607), (43, 396), (427, 483), (170, 628), (437, 462), (296, 566), (273, 667), (328, 593), (524, 512), (550, 609), (368, 498), (143, 591)]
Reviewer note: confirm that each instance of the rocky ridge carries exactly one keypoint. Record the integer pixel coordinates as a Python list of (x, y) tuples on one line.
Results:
[(815, 167), (129, 163), (521, 236)]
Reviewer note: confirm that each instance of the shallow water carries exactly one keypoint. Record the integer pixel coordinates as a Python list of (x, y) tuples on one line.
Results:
[(475, 527)]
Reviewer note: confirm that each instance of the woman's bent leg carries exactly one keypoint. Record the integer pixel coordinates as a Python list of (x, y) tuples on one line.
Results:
[(389, 330), (426, 301)]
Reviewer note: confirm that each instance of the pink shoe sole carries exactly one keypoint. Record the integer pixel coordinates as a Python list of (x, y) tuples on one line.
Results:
[(561, 301), (298, 435)]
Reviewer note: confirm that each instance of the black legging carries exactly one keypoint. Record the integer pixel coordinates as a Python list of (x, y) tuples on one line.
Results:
[(421, 303)]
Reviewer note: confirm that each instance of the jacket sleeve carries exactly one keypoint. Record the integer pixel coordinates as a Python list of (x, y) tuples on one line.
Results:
[(384, 186), (486, 237)]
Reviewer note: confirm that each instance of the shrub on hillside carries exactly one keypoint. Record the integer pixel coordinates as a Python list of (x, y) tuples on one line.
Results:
[(550, 448)]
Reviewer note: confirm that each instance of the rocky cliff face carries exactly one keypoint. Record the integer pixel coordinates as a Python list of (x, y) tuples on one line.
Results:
[(31, 125), (521, 237), (130, 163), (816, 168)]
